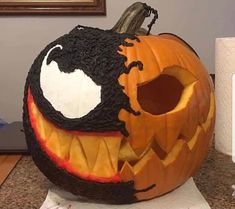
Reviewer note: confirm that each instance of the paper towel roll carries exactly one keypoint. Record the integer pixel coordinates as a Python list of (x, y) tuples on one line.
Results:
[(224, 69)]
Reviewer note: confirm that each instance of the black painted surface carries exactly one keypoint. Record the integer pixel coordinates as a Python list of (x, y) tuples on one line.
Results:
[(96, 53), (115, 193)]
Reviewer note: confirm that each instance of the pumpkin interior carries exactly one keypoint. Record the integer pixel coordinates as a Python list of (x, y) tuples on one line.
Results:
[(160, 95)]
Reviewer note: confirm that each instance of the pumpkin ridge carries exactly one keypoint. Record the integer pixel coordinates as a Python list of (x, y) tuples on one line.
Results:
[(155, 52), (154, 55), (187, 60)]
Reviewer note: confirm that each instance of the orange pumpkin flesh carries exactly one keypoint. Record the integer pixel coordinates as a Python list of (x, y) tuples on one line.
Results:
[(167, 142)]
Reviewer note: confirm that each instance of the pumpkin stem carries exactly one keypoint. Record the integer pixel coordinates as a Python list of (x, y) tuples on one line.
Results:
[(155, 17), (133, 18)]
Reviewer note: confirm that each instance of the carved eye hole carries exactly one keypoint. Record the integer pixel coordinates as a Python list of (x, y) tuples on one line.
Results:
[(160, 95)]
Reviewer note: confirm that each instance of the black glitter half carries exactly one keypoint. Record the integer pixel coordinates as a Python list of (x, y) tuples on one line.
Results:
[(114, 193), (96, 53)]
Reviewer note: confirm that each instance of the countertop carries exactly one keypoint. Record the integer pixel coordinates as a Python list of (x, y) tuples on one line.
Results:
[(26, 187)]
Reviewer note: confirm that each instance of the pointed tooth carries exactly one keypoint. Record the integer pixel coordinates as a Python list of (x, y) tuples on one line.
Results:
[(42, 125), (157, 149), (90, 146), (52, 143), (113, 144), (171, 157), (59, 143), (211, 114), (178, 166), (77, 158), (126, 172), (126, 153), (140, 134), (194, 139), (177, 118), (206, 101), (34, 110), (41, 128), (65, 140), (159, 130), (170, 126), (175, 123), (149, 171), (192, 120), (45, 128), (207, 124), (201, 146), (103, 166), (203, 103), (150, 155)]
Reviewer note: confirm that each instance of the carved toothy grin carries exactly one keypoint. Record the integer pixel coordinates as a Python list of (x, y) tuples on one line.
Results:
[(96, 157)]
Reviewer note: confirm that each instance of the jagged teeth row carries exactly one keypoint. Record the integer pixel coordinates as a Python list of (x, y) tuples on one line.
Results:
[(90, 155), (183, 160)]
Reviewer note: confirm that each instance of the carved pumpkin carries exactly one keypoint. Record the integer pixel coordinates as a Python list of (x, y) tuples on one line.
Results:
[(116, 117)]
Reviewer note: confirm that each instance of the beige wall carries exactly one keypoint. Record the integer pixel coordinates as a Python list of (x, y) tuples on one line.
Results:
[(22, 37)]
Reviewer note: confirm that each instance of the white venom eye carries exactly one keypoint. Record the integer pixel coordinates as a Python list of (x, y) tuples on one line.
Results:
[(72, 94)]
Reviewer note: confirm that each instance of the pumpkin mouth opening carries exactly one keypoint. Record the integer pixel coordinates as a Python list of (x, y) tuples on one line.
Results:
[(102, 158), (160, 95)]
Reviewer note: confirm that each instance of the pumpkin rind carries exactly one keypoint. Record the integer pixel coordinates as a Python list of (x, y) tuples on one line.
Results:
[(156, 153)]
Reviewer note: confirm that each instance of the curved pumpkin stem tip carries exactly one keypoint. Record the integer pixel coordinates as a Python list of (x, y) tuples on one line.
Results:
[(149, 11), (132, 19)]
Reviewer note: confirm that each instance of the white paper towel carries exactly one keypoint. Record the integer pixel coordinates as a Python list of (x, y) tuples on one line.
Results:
[(224, 68), (185, 197)]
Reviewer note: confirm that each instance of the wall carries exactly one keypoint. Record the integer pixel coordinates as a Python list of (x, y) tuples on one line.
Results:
[(22, 37)]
